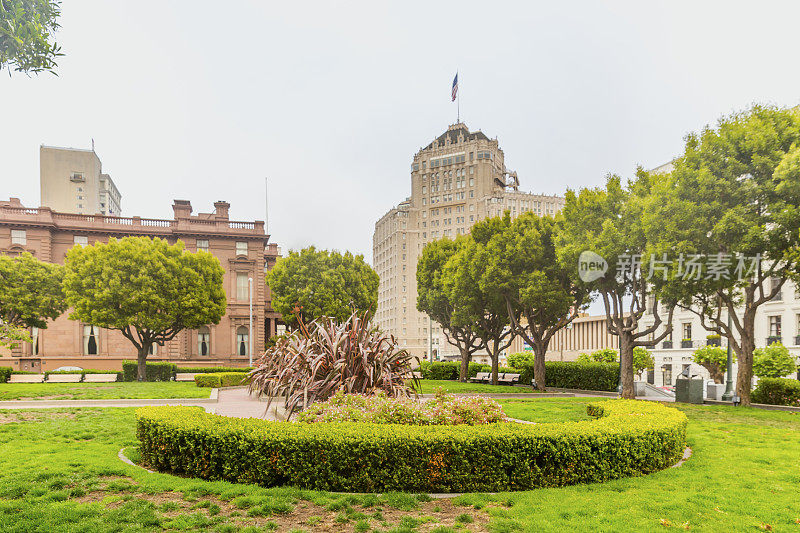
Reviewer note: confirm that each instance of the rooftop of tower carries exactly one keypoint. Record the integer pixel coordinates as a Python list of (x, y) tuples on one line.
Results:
[(453, 132)]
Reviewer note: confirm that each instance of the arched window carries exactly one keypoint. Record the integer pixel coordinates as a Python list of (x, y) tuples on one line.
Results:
[(91, 340), (203, 341), (242, 340)]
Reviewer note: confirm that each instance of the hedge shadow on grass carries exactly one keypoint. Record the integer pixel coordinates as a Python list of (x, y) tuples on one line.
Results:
[(626, 438)]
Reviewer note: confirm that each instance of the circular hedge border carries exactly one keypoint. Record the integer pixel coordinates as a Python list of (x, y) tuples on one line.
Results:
[(627, 438)]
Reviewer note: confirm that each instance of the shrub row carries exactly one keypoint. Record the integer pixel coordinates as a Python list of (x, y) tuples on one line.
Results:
[(571, 375), (156, 371), (777, 391), (220, 379), (450, 370), (211, 369), (628, 438)]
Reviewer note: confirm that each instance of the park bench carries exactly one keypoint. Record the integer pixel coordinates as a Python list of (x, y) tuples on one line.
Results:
[(26, 378), (507, 379), (64, 378), (481, 377), (99, 378), (185, 376)]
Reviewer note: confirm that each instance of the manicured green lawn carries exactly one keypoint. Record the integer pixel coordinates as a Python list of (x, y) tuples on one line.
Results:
[(59, 472), (101, 391), (429, 386)]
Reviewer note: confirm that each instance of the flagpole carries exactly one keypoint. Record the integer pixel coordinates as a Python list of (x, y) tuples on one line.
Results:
[(458, 103)]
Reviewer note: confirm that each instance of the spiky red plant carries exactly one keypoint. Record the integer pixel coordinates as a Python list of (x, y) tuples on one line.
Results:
[(324, 357)]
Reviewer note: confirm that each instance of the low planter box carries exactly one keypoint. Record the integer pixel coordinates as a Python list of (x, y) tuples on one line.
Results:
[(686, 344), (714, 391), (797, 340), (713, 342), (773, 339), (666, 345)]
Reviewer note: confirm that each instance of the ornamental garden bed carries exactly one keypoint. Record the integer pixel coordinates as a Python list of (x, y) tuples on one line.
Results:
[(624, 438)]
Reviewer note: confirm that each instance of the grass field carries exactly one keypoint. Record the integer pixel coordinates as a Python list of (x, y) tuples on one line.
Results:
[(101, 391), (429, 386), (59, 471)]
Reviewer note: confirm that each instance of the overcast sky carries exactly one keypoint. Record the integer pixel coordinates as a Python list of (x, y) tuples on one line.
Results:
[(202, 101)]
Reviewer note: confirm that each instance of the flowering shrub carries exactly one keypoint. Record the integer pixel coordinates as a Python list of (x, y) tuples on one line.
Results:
[(777, 391), (442, 410)]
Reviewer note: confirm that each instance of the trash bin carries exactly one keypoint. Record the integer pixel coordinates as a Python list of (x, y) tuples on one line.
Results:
[(689, 390)]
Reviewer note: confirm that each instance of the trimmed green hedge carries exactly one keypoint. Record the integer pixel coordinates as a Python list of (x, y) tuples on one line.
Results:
[(220, 379), (449, 370), (777, 391), (212, 369), (5, 373), (628, 438), (160, 371), (572, 375)]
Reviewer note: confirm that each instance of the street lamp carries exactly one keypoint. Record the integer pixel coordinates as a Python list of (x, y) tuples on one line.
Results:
[(727, 396)]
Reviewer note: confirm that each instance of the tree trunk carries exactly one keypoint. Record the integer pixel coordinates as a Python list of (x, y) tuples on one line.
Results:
[(744, 377), (495, 363), (539, 377), (626, 365), (141, 367), (463, 375)]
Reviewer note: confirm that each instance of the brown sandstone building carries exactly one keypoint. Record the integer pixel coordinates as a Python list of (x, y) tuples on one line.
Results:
[(242, 248)]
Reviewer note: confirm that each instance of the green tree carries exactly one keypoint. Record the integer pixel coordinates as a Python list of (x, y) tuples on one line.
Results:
[(714, 359), (145, 288), (774, 361), (608, 222), (523, 268), (314, 283), (434, 298), (642, 358), (26, 30), (475, 304), (732, 200), (30, 294)]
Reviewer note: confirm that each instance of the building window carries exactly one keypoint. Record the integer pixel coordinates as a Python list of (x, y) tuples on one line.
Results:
[(241, 248), (687, 330), (242, 341), (18, 236), (775, 326), (80, 240), (90, 340), (203, 341), (34, 341), (202, 245), (242, 289), (153, 350)]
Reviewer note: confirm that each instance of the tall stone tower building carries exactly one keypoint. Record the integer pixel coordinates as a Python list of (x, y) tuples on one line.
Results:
[(456, 180)]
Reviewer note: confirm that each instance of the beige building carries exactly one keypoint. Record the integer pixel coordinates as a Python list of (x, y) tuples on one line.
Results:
[(72, 181), (456, 180)]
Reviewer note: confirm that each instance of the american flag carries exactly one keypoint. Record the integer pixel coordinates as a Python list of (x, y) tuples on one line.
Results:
[(455, 88)]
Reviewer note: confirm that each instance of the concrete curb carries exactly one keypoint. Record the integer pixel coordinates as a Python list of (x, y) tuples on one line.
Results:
[(765, 406), (509, 395)]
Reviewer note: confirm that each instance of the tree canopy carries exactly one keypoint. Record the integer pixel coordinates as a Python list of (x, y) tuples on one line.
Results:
[(317, 283), (435, 298), (523, 269), (608, 222), (773, 361), (30, 294), (26, 35), (732, 206), (146, 288)]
